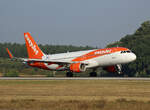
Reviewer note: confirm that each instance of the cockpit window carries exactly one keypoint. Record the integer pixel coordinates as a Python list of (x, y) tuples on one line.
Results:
[(128, 51), (122, 51)]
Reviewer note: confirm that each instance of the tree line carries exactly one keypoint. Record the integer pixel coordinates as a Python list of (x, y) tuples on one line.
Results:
[(9, 68), (139, 43), (19, 50)]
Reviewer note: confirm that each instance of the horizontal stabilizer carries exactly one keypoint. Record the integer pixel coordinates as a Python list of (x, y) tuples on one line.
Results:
[(9, 53)]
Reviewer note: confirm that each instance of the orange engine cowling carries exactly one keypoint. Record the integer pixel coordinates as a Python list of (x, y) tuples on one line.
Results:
[(77, 67)]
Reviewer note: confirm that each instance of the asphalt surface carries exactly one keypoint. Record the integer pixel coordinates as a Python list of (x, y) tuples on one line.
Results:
[(72, 78)]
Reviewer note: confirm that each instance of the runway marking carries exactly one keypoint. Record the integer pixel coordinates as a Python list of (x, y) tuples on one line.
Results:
[(72, 78)]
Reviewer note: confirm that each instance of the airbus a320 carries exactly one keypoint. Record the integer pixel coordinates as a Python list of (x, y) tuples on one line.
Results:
[(109, 59)]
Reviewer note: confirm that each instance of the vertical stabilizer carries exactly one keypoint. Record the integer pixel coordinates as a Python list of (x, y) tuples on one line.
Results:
[(34, 52)]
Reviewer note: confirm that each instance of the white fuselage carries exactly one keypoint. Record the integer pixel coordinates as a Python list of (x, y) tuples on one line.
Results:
[(102, 61)]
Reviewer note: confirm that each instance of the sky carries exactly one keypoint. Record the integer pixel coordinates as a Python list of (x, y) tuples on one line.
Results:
[(71, 22)]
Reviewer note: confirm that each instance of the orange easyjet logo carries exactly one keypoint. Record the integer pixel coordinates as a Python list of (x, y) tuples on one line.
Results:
[(32, 45), (102, 52), (99, 52)]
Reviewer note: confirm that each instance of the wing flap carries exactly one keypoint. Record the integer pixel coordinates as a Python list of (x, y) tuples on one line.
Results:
[(49, 61), (55, 61)]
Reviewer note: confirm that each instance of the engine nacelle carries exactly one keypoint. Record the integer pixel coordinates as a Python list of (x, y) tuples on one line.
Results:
[(114, 68), (77, 67)]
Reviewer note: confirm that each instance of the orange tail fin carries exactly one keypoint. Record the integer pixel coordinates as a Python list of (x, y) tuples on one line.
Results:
[(33, 49)]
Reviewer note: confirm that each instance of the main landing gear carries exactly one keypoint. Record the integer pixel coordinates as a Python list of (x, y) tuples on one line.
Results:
[(93, 74), (69, 74)]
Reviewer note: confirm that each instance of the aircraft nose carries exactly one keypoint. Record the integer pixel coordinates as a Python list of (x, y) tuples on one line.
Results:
[(133, 57)]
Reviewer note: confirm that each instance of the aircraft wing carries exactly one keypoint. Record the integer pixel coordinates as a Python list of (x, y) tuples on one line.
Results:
[(46, 61), (54, 61), (41, 60)]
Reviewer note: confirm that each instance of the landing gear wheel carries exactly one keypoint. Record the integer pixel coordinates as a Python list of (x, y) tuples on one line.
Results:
[(93, 74), (69, 74)]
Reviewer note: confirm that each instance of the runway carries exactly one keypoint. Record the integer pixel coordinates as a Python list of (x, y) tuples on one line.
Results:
[(72, 78)]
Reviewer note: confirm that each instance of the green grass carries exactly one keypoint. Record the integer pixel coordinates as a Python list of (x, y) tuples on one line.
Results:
[(74, 94)]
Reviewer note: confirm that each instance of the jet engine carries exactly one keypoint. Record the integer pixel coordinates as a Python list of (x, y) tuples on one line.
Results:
[(77, 67), (114, 68)]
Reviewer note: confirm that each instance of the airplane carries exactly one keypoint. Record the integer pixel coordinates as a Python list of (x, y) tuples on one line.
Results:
[(110, 59)]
